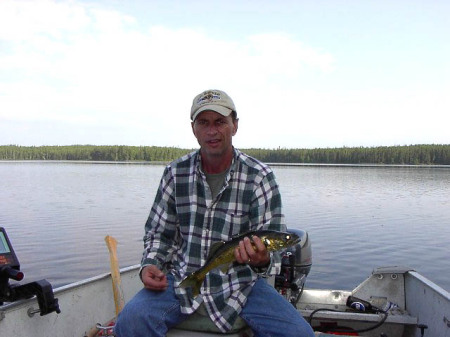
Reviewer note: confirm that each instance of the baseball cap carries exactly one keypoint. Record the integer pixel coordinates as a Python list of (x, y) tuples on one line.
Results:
[(215, 100)]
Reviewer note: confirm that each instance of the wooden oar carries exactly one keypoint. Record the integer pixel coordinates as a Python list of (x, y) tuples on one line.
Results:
[(115, 273)]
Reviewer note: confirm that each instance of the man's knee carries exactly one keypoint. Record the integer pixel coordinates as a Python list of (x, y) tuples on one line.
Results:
[(128, 314)]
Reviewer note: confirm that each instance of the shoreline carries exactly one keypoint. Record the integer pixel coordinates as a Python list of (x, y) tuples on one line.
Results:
[(268, 163)]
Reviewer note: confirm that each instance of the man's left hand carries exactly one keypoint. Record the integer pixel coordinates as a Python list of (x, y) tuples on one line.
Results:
[(254, 254)]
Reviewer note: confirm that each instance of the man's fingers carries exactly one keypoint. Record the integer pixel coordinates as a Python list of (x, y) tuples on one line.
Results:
[(257, 251), (259, 245), (240, 253), (153, 278), (251, 251)]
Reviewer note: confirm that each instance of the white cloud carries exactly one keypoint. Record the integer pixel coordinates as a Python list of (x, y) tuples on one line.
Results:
[(23, 20), (279, 54), (86, 65), (80, 66)]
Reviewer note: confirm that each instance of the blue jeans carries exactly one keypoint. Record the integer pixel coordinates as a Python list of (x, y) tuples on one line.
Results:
[(266, 312)]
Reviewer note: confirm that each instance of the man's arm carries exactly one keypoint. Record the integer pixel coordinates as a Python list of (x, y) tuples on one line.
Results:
[(161, 232), (266, 214)]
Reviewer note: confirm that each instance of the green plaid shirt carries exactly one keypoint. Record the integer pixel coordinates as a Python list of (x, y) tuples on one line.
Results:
[(185, 222)]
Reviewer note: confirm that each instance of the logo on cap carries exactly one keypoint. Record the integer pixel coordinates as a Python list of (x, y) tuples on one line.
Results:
[(208, 97)]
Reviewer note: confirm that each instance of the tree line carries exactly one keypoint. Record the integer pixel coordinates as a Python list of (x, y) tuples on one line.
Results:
[(400, 155)]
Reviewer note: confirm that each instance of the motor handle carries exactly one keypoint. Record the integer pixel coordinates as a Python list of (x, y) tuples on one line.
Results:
[(11, 273)]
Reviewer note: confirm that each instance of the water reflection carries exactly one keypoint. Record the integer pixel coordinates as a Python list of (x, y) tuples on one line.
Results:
[(57, 215)]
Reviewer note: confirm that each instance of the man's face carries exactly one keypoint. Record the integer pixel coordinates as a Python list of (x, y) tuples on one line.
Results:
[(214, 132)]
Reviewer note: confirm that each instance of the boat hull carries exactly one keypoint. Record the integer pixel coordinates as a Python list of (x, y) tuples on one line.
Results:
[(83, 305), (86, 303)]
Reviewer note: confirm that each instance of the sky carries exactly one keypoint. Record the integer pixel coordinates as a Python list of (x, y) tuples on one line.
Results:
[(302, 74)]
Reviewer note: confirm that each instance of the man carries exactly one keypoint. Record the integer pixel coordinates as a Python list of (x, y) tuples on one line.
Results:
[(205, 197)]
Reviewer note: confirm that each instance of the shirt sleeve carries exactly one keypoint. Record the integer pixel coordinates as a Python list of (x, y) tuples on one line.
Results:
[(267, 214), (161, 233)]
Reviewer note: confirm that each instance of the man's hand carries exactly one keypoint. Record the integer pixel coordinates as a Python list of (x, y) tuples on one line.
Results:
[(256, 256), (153, 278)]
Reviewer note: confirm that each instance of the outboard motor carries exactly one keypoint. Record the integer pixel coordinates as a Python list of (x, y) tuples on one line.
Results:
[(296, 263), (10, 269)]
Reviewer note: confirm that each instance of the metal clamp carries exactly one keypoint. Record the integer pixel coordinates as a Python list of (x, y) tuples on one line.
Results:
[(107, 331)]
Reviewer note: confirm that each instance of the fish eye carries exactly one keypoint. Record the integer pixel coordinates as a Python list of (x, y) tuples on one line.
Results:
[(288, 237), (266, 241)]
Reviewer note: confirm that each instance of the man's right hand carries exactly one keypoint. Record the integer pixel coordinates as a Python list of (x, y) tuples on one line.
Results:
[(153, 278)]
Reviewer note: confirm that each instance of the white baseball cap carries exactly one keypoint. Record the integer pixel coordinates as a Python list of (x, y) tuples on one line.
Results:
[(215, 100)]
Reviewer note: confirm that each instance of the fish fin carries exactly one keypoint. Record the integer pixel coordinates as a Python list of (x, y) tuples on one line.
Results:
[(224, 268), (193, 282), (214, 248), (240, 236)]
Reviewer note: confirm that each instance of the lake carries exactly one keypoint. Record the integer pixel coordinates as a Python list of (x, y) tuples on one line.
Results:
[(358, 218)]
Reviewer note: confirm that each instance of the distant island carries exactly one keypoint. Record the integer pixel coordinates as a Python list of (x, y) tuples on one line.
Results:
[(392, 155)]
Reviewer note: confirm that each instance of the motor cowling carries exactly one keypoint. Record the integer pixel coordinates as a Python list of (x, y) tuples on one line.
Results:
[(296, 262)]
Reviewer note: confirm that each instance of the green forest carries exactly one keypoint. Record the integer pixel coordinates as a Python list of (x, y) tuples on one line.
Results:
[(394, 155)]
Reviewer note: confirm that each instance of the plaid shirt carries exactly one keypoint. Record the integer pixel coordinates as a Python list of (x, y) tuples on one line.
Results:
[(185, 222)]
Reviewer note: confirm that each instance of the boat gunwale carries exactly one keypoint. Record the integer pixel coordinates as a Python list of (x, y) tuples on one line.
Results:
[(68, 287)]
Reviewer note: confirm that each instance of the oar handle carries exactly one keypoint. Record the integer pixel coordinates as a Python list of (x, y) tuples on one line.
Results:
[(111, 243)]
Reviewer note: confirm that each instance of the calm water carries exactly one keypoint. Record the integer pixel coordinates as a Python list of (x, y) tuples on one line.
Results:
[(57, 215)]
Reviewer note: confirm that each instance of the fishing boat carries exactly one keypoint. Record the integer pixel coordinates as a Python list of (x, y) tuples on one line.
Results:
[(392, 302)]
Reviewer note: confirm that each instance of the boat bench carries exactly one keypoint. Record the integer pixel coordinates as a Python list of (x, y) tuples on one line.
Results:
[(324, 334), (199, 321)]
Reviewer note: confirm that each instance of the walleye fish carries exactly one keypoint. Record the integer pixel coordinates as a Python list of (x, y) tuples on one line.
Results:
[(222, 254)]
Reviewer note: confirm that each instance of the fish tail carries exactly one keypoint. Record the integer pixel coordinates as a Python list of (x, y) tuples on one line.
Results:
[(194, 282)]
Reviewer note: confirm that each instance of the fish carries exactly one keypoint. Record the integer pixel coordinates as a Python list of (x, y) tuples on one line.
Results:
[(222, 254)]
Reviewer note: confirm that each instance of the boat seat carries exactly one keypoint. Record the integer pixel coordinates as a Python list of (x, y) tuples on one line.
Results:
[(200, 322), (323, 334)]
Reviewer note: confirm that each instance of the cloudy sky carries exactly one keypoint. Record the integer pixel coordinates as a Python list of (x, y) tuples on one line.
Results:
[(303, 74)]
